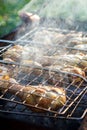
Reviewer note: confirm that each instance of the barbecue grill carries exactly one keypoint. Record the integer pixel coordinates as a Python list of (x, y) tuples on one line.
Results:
[(75, 107)]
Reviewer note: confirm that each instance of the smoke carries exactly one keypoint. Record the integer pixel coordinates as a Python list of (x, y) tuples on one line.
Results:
[(66, 14), (67, 9)]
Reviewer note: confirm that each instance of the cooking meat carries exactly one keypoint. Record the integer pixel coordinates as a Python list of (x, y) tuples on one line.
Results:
[(54, 68), (78, 40), (53, 77), (44, 96), (24, 54), (83, 62), (72, 63), (52, 74), (70, 59), (6, 75), (81, 46), (79, 60), (14, 53), (61, 60), (4, 71), (47, 97), (73, 69)]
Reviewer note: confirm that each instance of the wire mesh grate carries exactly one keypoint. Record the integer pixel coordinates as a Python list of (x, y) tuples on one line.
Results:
[(39, 61)]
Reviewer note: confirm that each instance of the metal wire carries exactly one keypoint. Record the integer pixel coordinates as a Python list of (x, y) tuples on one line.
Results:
[(75, 90)]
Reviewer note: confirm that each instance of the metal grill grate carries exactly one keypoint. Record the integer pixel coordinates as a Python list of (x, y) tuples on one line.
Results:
[(46, 69)]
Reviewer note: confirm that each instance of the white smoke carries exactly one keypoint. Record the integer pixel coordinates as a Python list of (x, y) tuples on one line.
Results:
[(68, 9), (52, 11)]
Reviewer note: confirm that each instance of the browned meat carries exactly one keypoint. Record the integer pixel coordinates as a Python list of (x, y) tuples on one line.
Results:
[(14, 53), (46, 97)]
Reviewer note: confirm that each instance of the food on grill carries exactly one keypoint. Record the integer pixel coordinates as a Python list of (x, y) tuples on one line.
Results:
[(73, 69), (79, 60), (56, 73), (79, 40), (4, 72), (31, 63), (5, 76), (81, 46), (83, 64), (70, 59), (41, 61), (47, 97), (26, 54), (49, 73), (73, 63), (23, 54), (14, 53)]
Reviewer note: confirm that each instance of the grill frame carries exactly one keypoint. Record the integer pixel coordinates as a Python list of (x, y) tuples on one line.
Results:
[(56, 115)]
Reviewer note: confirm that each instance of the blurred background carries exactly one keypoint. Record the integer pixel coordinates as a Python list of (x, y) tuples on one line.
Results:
[(9, 18), (74, 13)]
